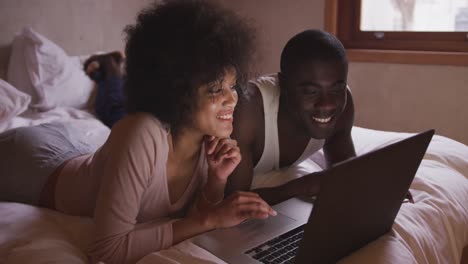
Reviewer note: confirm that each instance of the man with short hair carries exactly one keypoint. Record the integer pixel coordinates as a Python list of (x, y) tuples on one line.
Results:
[(284, 118)]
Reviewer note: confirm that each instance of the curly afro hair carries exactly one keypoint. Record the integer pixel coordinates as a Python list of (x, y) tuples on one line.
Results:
[(174, 47)]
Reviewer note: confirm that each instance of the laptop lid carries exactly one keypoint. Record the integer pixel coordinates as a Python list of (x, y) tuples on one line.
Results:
[(359, 200)]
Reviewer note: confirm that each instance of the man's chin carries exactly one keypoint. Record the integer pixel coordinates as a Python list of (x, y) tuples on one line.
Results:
[(321, 132)]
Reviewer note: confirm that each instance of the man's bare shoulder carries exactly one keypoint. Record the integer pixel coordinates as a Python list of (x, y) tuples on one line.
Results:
[(248, 114), (252, 96)]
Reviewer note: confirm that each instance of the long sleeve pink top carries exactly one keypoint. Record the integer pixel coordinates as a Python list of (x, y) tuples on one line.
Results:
[(124, 186)]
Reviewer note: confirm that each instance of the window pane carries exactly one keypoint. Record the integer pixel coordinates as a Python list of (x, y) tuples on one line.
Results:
[(414, 15)]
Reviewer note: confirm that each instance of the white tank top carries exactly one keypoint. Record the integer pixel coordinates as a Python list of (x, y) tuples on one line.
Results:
[(269, 88)]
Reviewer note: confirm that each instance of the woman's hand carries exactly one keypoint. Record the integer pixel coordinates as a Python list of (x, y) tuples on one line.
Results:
[(237, 208), (223, 156)]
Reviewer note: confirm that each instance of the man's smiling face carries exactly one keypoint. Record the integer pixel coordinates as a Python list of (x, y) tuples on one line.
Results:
[(316, 95)]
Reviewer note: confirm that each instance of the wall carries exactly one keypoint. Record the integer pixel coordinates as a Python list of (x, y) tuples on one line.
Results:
[(390, 97), (412, 98), (78, 26), (276, 22)]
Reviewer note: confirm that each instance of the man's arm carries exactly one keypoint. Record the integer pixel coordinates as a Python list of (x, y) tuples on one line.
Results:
[(338, 147), (248, 118), (247, 115)]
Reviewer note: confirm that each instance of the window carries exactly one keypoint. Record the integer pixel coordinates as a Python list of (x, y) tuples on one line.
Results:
[(401, 31)]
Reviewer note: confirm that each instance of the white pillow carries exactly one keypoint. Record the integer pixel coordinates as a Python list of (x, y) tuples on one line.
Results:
[(12, 101), (43, 70)]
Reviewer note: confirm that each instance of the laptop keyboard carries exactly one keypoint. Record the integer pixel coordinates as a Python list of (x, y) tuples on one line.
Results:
[(281, 249)]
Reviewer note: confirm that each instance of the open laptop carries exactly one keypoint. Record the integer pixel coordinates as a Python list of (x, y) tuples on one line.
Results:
[(358, 202)]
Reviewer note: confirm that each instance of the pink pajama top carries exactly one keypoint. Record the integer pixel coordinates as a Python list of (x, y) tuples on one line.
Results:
[(124, 186)]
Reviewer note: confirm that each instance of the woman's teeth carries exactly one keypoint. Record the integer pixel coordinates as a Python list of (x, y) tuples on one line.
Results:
[(225, 117)]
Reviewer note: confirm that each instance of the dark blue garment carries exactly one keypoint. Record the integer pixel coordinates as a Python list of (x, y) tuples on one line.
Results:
[(110, 101)]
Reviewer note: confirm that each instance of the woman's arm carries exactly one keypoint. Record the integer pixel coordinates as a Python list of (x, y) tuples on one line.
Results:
[(223, 156), (126, 163)]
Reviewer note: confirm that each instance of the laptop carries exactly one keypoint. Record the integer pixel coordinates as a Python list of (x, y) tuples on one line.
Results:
[(357, 203)]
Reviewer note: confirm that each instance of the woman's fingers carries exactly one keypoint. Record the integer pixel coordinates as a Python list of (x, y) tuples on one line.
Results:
[(215, 144), (240, 197), (250, 200), (226, 152), (223, 146), (210, 144), (253, 210), (241, 206)]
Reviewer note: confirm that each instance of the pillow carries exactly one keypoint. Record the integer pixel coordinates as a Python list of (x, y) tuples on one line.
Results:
[(43, 70), (12, 101)]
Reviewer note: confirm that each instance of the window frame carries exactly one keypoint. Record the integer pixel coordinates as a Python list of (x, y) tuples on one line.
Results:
[(436, 48)]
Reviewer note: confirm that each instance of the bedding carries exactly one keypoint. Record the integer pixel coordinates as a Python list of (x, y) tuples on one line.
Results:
[(12, 101), (42, 69), (432, 230)]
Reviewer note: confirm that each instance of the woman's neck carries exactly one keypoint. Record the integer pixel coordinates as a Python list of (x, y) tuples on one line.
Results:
[(185, 145)]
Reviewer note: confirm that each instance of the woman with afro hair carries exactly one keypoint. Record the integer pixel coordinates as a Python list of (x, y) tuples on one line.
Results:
[(160, 176)]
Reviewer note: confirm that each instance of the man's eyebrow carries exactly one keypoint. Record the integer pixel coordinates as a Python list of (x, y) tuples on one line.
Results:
[(340, 82), (311, 83), (308, 83)]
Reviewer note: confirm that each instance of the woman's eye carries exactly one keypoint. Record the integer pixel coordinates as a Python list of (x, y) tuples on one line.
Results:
[(233, 87), (215, 90)]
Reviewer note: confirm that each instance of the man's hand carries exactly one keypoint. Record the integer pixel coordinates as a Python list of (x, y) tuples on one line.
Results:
[(307, 185), (408, 198)]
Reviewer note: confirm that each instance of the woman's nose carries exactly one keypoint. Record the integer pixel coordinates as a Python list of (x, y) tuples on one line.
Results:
[(230, 97)]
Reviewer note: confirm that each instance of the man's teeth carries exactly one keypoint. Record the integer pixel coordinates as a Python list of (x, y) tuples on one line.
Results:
[(226, 117), (322, 120)]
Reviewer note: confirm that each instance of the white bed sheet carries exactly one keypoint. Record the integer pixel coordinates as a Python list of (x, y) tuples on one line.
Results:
[(433, 230), (94, 129)]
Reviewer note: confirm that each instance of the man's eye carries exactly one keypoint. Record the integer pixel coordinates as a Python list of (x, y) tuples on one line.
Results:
[(339, 88), (310, 92)]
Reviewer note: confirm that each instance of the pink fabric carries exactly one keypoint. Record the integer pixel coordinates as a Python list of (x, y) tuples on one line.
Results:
[(127, 178)]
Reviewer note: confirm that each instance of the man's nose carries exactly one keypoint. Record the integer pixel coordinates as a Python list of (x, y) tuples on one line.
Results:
[(326, 103)]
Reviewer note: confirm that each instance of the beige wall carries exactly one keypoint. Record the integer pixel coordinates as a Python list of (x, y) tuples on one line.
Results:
[(276, 22), (412, 98), (391, 97), (78, 26), (388, 96)]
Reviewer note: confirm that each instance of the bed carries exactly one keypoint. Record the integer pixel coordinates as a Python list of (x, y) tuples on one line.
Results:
[(432, 230)]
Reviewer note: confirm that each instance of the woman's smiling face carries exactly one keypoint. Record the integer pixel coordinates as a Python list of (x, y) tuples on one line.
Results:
[(215, 106)]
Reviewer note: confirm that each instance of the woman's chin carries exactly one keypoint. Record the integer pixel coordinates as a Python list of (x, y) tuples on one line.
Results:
[(223, 133)]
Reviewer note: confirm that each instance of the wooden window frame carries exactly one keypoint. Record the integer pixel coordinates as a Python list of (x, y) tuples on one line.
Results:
[(342, 18)]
